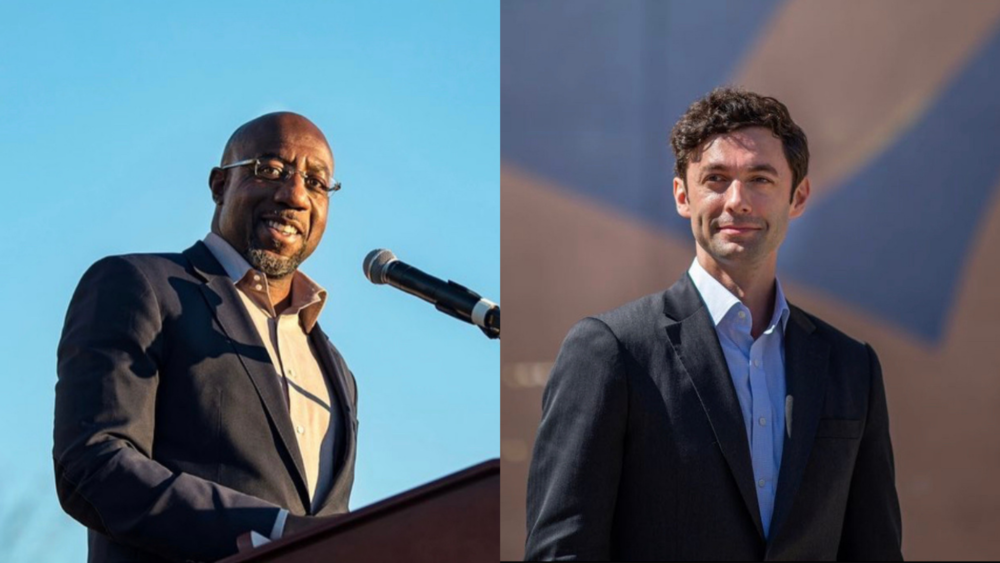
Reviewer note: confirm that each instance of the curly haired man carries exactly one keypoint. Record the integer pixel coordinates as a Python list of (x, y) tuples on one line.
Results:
[(716, 420)]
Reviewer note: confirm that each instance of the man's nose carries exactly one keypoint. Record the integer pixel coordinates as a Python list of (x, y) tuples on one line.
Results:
[(293, 191), (738, 198)]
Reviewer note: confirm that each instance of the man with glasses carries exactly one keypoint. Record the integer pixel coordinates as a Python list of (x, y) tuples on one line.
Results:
[(198, 399)]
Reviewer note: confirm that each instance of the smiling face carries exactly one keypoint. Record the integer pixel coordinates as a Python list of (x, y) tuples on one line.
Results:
[(274, 224), (738, 196)]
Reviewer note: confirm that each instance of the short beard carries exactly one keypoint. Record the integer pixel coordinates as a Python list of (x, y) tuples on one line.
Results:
[(274, 267)]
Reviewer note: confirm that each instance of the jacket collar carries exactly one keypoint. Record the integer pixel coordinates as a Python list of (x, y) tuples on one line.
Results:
[(337, 371), (807, 356), (691, 332), (692, 335), (220, 296)]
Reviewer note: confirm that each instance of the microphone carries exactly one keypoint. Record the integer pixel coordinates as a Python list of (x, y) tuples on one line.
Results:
[(382, 267)]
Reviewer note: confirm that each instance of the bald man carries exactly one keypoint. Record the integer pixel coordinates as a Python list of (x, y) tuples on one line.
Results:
[(198, 399)]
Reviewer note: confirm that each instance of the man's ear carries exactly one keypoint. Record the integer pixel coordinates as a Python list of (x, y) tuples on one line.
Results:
[(681, 198), (217, 183), (799, 198)]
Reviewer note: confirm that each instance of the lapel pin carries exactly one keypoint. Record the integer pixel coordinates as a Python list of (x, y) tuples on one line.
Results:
[(788, 416)]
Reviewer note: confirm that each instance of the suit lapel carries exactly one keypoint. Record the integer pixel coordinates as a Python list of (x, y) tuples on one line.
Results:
[(336, 372), (221, 297), (691, 332), (806, 356)]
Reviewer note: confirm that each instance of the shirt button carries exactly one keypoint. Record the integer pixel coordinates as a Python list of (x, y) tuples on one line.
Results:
[(760, 483), (256, 277), (762, 421), (301, 430), (291, 374), (756, 363), (742, 315), (258, 287)]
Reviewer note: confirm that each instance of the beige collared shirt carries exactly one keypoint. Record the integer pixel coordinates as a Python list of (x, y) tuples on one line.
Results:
[(311, 401)]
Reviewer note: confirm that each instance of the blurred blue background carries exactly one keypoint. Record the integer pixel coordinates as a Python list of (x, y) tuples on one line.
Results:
[(113, 114)]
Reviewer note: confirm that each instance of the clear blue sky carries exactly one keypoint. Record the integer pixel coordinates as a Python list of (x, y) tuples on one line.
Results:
[(113, 113)]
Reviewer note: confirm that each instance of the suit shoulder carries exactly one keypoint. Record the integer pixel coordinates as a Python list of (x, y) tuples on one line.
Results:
[(140, 276), (150, 265), (154, 261), (839, 339), (634, 320)]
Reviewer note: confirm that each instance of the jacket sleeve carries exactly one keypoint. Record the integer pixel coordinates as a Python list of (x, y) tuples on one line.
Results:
[(576, 465), (105, 417), (872, 523)]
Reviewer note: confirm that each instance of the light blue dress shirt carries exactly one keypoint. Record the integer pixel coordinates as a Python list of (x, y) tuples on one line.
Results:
[(758, 372)]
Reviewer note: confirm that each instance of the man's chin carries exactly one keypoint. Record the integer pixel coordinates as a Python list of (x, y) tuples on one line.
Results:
[(735, 252), (281, 254), (275, 265)]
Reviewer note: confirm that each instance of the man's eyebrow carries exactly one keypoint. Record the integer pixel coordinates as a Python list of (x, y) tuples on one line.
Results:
[(318, 167), (272, 155), (764, 167), (715, 167), (719, 167), (315, 166)]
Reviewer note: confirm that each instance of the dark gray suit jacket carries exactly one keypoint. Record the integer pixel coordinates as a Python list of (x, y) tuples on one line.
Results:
[(642, 452), (172, 434)]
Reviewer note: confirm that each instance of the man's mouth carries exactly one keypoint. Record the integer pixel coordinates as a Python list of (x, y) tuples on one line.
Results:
[(280, 230), (737, 229)]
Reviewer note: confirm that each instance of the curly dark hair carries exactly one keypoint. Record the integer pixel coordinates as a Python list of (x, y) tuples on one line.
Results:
[(725, 110)]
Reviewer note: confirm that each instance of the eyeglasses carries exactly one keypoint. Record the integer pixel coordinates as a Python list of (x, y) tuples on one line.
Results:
[(277, 170)]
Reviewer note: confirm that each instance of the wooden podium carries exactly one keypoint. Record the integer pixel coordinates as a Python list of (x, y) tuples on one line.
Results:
[(454, 519)]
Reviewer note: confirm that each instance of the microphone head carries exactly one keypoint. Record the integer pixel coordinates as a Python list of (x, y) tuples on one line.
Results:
[(376, 263)]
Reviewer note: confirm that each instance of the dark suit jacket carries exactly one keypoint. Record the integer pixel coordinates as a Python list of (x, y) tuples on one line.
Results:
[(172, 434), (642, 451)]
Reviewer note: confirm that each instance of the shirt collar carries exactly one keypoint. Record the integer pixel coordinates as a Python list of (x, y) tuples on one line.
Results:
[(720, 301), (308, 297), (233, 263)]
